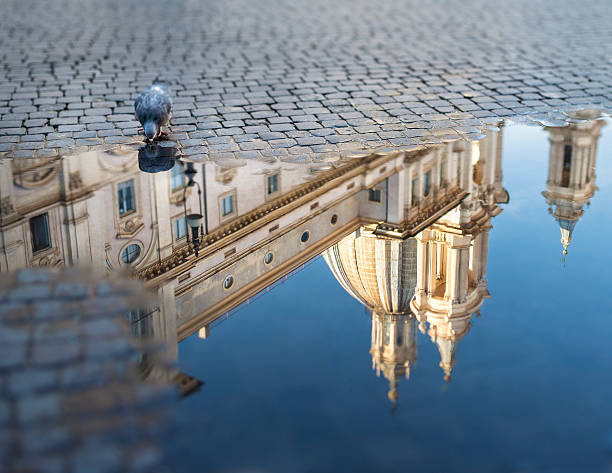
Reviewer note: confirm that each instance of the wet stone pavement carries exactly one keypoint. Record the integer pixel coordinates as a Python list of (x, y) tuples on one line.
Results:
[(71, 391), (294, 80)]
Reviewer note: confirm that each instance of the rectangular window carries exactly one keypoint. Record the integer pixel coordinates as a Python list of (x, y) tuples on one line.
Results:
[(427, 183), (272, 184), (125, 196), (374, 195), (177, 177), (442, 170), (180, 228), (140, 322), (39, 231), (227, 205), (415, 191), (567, 165), (567, 157)]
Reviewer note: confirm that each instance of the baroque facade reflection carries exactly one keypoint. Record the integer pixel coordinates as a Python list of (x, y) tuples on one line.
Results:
[(406, 234), (435, 277)]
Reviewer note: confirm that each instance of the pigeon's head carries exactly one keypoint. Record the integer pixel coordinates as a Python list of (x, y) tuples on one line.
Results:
[(151, 129)]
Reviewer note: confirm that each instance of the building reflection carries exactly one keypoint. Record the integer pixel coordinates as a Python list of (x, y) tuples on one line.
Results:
[(572, 170), (434, 276), (405, 233)]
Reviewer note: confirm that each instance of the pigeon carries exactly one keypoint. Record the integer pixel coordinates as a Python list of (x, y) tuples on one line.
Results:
[(153, 109)]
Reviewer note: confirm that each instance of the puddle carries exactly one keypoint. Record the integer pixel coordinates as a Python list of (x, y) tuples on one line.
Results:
[(381, 306)]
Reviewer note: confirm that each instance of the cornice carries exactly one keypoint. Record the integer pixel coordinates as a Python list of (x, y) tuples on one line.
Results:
[(261, 216), (239, 296)]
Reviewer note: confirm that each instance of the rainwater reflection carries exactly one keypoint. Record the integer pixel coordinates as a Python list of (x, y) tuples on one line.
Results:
[(405, 234)]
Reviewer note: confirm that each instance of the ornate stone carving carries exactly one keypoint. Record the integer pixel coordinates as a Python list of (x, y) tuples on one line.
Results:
[(32, 173), (75, 181), (51, 259), (6, 206), (129, 226), (225, 176)]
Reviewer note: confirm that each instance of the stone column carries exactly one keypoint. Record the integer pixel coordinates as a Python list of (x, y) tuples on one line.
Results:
[(439, 256), (13, 247), (476, 260), (498, 157), (395, 209), (160, 209), (459, 268), (436, 178), (74, 214), (421, 285), (408, 185), (574, 167), (554, 162), (484, 253), (164, 325), (75, 223)]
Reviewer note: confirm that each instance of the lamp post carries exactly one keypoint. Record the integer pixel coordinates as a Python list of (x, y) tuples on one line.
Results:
[(193, 220)]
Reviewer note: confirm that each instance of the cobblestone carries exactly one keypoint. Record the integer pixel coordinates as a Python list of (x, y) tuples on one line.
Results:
[(230, 76), (71, 398)]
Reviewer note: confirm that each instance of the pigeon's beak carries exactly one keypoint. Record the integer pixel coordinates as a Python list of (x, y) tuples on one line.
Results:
[(150, 130)]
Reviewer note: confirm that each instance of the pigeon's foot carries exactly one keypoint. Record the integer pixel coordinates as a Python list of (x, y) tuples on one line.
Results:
[(162, 135)]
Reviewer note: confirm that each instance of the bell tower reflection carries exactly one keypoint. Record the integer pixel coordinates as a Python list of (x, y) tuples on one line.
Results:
[(394, 348), (571, 171)]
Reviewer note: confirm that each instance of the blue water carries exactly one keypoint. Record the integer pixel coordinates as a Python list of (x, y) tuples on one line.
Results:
[(289, 385)]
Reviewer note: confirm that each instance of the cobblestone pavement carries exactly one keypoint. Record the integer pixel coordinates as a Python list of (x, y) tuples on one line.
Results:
[(71, 397), (294, 79)]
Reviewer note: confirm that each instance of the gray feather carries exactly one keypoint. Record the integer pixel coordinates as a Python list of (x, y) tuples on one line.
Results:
[(154, 104)]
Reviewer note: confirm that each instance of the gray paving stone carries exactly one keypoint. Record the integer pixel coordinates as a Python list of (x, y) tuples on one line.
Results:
[(343, 91), (62, 143)]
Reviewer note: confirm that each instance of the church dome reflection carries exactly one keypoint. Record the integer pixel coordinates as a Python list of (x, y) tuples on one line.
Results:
[(432, 279), (377, 271)]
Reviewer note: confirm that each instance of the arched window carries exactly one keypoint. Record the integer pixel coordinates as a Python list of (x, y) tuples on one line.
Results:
[(130, 254)]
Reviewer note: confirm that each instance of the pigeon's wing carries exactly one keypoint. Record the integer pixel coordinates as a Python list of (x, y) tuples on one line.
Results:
[(168, 106), (139, 106)]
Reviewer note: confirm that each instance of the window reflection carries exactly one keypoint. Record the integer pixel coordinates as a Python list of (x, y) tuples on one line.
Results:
[(227, 205), (177, 176), (272, 184), (39, 230), (130, 254), (125, 196), (180, 228)]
